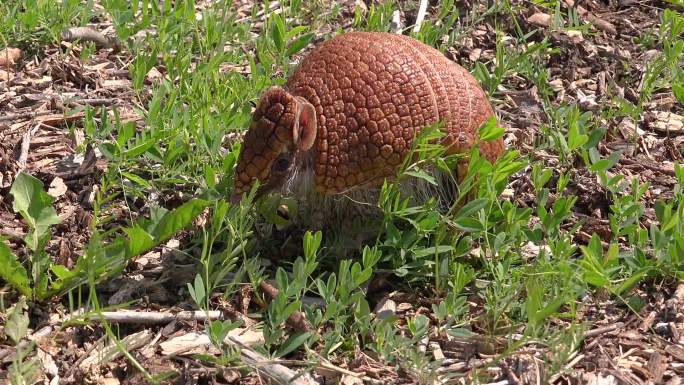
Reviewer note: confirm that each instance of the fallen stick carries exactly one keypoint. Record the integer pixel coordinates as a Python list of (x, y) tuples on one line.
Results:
[(89, 34), (273, 370), (421, 15), (93, 102), (152, 318), (23, 115), (567, 367), (603, 330), (25, 144)]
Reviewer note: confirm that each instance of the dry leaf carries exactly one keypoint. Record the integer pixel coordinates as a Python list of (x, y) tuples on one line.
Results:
[(9, 56), (404, 307), (574, 35), (475, 54), (676, 351), (437, 351), (557, 85), (601, 24), (540, 19), (153, 74), (57, 187)]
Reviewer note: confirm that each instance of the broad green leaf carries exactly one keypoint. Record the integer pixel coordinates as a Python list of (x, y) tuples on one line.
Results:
[(546, 311), (422, 175), (34, 204), (611, 256), (125, 133), (429, 222), (575, 139), (12, 271), (595, 279), (432, 251), (605, 164), (197, 291), (595, 137), (17, 321), (491, 131), (293, 342), (362, 276), (278, 32), (299, 44), (139, 149), (460, 332), (173, 221), (295, 31), (136, 179), (209, 176), (671, 223), (312, 241), (471, 207), (61, 271), (139, 241), (678, 91), (288, 310), (631, 281), (110, 260), (468, 224)]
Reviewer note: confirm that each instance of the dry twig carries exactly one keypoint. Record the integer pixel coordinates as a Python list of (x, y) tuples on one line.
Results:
[(91, 35), (422, 11)]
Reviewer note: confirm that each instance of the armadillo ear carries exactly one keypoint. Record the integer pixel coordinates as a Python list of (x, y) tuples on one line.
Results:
[(305, 127)]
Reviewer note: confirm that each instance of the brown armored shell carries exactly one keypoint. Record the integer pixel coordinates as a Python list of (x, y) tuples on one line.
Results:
[(371, 91)]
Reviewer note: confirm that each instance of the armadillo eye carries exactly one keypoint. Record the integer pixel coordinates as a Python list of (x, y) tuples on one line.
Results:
[(281, 164)]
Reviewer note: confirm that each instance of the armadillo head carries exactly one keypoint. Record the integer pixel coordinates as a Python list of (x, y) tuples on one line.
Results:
[(283, 128)]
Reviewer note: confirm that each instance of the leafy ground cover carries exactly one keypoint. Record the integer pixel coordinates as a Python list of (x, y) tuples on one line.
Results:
[(123, 260)]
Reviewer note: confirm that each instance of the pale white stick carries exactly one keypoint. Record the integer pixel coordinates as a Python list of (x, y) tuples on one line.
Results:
[(421, 15), (139, 317)]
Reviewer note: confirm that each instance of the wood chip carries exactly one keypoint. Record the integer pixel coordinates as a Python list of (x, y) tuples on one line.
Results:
[(676, 351), (385, 308), (665, 122), (56, 119), (194, 343), (350, 380), (110, 352), (657, 364), (57, 187), (648, 321), (117, 83)]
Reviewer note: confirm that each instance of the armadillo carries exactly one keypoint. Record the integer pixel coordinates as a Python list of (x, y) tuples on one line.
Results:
[(346, 117)]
